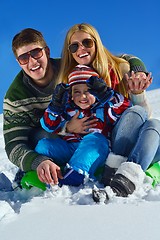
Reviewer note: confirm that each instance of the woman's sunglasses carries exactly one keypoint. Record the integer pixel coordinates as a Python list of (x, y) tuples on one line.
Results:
[(35, 53), (87, 42)]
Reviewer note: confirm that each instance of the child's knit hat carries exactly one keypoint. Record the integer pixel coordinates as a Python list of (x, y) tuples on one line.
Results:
[(80, 74)]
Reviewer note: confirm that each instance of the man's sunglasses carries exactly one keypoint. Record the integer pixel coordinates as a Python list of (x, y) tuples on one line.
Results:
[(35, 53), (87, 42)]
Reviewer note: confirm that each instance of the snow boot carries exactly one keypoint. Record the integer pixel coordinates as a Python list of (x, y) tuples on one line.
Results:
[(107, 175), (113, 161), (122, 186), (71, 178), (127, 178)]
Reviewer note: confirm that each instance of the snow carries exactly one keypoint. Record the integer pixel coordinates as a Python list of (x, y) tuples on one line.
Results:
[(69, 213)]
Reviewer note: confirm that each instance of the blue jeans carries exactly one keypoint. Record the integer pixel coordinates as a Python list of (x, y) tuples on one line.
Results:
[(137, 138), (84, 156)]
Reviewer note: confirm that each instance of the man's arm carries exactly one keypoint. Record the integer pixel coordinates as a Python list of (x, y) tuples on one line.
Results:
[(21, 114)]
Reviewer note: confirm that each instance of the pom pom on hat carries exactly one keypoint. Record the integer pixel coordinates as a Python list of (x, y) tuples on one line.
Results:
[(80, 74)]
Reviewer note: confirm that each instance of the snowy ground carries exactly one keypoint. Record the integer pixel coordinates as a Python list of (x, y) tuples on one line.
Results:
[(69, 213)]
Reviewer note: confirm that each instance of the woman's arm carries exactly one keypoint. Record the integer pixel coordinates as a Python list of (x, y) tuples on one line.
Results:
[(137, 79)]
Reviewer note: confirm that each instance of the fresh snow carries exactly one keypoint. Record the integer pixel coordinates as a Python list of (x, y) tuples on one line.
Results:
[(69, 213)]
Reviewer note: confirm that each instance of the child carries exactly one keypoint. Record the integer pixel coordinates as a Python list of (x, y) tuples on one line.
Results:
[(90, 98)]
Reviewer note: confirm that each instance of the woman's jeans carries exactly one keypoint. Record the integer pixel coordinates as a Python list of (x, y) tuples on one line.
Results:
[(137, 138), (84, 156)]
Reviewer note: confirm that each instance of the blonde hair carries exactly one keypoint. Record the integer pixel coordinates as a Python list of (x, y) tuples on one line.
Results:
[(102, 63)]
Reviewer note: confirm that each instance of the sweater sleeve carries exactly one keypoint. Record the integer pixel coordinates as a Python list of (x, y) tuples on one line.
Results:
[(136, 64), (51, 122), (16, 131), (141, 100), (21, 113), (117, 106)]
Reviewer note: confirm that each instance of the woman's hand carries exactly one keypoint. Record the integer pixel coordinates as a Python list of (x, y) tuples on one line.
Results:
[(137, 82), (77, 125), (49, 172)]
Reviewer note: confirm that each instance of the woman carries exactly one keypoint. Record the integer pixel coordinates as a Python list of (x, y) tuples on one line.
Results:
[(134, 133), (83, 46)]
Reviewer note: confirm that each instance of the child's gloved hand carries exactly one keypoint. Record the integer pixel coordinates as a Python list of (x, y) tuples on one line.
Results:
[(99, 89), (59, 98)]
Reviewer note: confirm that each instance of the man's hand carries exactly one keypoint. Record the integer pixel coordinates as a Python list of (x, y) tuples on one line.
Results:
[(137, 82), (49, 172), (76, 125)]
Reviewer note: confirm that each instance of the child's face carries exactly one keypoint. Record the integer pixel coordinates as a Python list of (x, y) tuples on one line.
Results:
[(81, 96)]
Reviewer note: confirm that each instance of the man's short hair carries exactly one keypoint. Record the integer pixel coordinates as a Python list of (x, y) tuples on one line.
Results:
[(25, 37)]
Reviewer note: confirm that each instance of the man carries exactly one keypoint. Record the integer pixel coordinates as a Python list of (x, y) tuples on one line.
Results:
[(28, 97)]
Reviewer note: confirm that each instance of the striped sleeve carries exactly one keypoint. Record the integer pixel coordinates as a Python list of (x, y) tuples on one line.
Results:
[(50, 122), (117, 106)]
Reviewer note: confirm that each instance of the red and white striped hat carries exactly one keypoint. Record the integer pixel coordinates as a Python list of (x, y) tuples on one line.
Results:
[(80, 74)]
